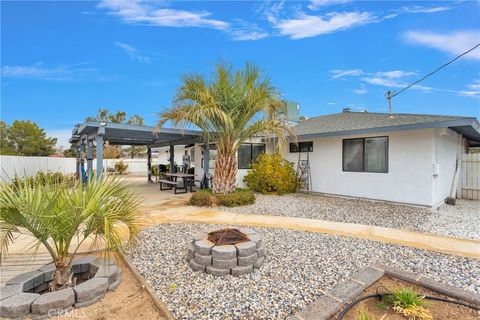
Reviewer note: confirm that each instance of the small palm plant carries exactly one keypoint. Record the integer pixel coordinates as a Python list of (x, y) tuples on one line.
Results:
[(230, 109), (62, 217)]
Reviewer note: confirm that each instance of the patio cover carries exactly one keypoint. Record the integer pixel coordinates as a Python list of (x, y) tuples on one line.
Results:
[(85, 134)]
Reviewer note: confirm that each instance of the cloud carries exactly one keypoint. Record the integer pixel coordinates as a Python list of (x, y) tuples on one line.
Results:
[(304, 26), (395, 74), (337, 74), (385, 82), (53, 73), (138, 12), (420, 9), (452, 43), (315, 4), (360, 91), (133, 53), (244, 30), (473, 90)]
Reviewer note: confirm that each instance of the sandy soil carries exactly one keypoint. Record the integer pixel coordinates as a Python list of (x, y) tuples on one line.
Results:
[(128, 301), (439, 310)]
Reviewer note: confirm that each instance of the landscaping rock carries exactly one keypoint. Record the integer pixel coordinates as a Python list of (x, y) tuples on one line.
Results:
[(10, 290), (246, 249), (53, 301), (241, 270), (255, 238), (89, 302), (203, 247), (195, 266), (28, 280), (321, 309), (249, 260), (248, 231), (83, 264), (224, 252), (109, 272), (259, 262), (369, 275), (217, 271), (48, 270), (115, 284), (90, 289), (222, 264), (17, 306), (261, 251), (203, 260), (190, 251), (200, 236), (348, 290)]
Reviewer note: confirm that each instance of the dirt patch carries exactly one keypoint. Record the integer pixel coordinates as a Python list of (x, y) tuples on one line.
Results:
[(439, 310), (128, 301)]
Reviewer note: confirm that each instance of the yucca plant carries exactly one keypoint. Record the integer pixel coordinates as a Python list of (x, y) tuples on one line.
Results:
[(61, 217), (230, 108)]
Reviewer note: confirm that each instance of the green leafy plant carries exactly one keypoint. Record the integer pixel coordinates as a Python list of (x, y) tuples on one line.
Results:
[(408, 302), (272, 174), (44, 178), (121, 167), (230, 108), (207, 198), (61, 218)]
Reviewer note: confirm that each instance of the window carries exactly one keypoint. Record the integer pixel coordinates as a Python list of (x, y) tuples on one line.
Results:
[(248, 153), (366, 155), (306, 146)]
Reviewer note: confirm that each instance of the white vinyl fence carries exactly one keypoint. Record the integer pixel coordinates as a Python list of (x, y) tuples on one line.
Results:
[(29, 166), (469, 185)]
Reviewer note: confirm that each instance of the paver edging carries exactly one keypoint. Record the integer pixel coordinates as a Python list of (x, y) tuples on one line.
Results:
[(55, 303), (336, 299)]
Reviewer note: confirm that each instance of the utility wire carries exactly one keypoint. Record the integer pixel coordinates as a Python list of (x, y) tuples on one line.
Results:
[(393, 94)]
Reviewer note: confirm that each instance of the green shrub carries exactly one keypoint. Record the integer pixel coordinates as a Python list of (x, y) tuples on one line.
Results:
[(272, 174), (42, 178), (121, 167), (206, 198)]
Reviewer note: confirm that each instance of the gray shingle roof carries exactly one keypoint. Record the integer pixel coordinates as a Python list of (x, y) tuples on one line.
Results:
[(345, 122)]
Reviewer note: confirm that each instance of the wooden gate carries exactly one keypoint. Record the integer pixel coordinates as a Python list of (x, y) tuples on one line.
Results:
[(469, 185)]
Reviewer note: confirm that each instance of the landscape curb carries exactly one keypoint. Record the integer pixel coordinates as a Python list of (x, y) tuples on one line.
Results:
[(333, 301), (158, 303)]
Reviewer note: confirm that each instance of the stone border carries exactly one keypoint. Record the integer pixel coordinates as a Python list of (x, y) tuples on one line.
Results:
[(333, 301), (21, 296)]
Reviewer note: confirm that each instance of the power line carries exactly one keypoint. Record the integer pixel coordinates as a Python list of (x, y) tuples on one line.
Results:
[(391, 94)]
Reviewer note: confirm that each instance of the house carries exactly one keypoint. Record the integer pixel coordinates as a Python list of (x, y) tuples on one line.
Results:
[(405, 158)]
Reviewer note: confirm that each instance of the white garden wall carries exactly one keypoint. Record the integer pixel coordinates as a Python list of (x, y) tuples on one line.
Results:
[(29, 166)]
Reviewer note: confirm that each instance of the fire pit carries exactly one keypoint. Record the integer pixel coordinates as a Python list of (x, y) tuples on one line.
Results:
[(226, 251)]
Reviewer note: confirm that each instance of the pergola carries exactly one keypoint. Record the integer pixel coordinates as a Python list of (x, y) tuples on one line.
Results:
[(86, 134)]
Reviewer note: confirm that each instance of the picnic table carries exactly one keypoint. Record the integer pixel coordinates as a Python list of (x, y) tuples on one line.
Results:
[(187, 181)]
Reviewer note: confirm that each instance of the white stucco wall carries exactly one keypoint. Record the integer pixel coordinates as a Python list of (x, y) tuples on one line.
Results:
[(448, 146), (410, 169)]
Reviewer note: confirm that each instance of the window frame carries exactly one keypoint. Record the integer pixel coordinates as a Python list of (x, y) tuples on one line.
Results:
[(363, 154), (292, 144), (251, 144)]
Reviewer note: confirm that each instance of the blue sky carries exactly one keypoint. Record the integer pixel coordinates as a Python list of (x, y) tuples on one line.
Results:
[(61, 61)]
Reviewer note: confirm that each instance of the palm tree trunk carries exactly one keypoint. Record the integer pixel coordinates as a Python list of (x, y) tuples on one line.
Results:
[(62, 278), (224, 179)]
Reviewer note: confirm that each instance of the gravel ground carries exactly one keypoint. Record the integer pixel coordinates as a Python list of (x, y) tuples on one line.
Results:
[(462, 220), (298, 265)]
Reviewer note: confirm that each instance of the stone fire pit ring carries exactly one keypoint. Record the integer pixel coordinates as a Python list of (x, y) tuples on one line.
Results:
[(230, 259), (21, 296)]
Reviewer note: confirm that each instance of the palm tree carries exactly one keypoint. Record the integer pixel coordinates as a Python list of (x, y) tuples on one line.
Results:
[(57, 214), (230, 109)]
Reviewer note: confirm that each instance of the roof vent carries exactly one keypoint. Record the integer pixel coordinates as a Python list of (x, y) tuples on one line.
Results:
[(346, 110)]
